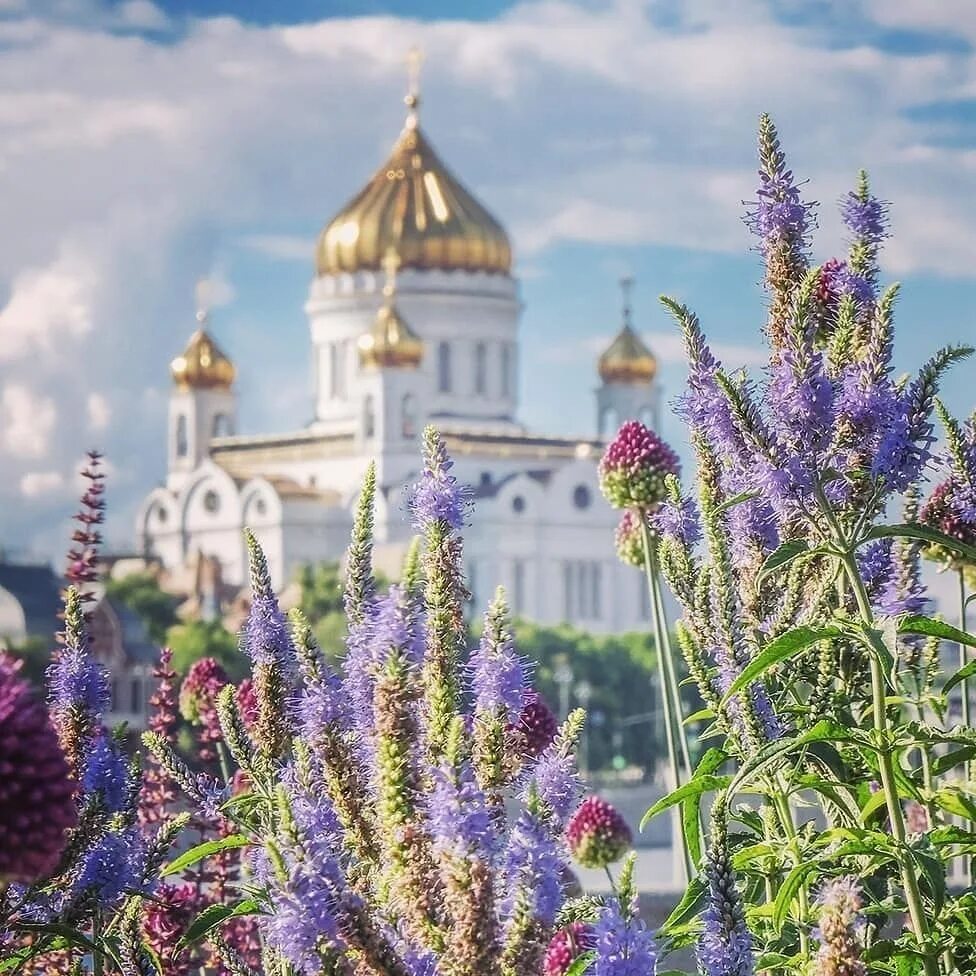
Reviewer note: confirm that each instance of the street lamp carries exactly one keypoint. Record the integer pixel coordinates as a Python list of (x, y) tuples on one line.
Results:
[(583, 694), (563, 676)]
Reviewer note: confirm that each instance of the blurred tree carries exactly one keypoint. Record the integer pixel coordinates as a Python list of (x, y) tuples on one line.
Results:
[(141, 593)]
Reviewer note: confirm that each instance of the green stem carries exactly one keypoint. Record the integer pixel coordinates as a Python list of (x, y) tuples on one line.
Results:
[(663, 652), (667, 654), (913, 894), (967, 718), (781, 803), (964, 654), (98, 962)]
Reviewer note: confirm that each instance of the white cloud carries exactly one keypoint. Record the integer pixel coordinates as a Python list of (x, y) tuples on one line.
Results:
[(130, 167), (46, 305), (33, 484), (26, 422), (99, 411), (281, 247)]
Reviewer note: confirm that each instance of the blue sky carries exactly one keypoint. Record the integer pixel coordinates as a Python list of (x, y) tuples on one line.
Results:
[(144, 144)]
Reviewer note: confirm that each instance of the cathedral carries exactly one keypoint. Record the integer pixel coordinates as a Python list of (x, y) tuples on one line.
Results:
[(413, 315)]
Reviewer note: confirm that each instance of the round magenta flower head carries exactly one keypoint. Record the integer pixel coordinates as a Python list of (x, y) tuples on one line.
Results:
[(629, 538), (198, 693), (566, 946), (536, 726), (247, 702), (634, 467), (941, 512), (596, 834), (36, 792)]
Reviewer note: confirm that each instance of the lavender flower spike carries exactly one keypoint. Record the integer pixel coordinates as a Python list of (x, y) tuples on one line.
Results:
[(78, 686), (437, 496), (624, 947), (725, 946), (839, 930), (497, 670)]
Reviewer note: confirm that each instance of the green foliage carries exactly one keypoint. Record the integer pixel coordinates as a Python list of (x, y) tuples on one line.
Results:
[(205, 638), (140, 592), (624, 709)]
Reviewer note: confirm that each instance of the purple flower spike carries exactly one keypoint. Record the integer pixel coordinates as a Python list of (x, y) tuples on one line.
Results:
[(437, 497), (865, 217), (624, 947)]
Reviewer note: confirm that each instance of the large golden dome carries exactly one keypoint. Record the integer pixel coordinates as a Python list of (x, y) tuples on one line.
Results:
[(202, 366), (415, 205), (627, 359)]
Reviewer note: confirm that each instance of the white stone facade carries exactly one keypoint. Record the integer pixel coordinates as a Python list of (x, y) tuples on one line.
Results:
[(540, 526)]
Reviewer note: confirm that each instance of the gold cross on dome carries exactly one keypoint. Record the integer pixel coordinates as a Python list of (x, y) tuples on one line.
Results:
[(415, 61), (203, 296), (391, 265)]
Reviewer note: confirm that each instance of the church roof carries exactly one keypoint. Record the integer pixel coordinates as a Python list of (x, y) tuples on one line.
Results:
[(38, 592), (415, 205), (627, 359)]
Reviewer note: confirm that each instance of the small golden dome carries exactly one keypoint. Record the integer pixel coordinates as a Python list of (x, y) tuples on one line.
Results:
[(390, 342), (627, 359), (202, 366), (415, 204)]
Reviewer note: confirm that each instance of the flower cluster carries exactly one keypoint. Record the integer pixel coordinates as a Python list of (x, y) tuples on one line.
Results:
[(377, 791), (635, 466)]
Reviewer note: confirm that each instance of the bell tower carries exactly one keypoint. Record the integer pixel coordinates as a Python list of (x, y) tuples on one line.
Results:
[(202, 404), (627, 370)]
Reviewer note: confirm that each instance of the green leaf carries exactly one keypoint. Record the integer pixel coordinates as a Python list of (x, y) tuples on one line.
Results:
[(203, 850), (964, 673), (743, 496), (710, 762), (788, 892), (215, 915), (702, 715), (933, 874), (694, 787), (875, 802), (954, 802), (920, 533), (929, 627), (782, 557), (823, 731), (686, 909), (781, 649)]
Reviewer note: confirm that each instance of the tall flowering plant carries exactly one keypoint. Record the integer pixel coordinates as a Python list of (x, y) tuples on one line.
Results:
[(415, 810), (840, 793)]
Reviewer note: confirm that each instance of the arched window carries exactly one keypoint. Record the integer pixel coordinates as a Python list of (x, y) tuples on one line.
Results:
[(444, 368), (182, 444), (408, 416), (480, 368), (506, 368), (609, 422), (369, 417), (221, 426)]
